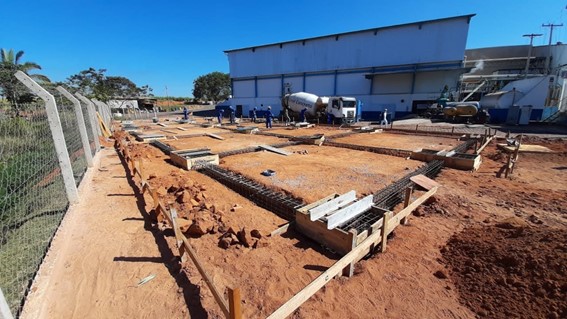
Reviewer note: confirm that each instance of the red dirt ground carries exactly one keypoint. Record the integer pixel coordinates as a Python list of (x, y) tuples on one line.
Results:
[(400, 141), (457, 258), (232, 141), (322, 171)]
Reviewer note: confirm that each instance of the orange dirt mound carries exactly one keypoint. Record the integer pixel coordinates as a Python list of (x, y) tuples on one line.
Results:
[(510, 270)]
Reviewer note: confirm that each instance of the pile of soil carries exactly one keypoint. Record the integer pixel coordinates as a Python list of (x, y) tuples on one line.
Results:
[(510, 270)]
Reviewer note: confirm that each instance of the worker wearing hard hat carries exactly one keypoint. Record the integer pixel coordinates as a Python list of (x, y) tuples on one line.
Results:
[(269, 117)]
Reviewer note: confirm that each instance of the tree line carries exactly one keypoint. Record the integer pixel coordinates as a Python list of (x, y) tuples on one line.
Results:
[(94, 83)]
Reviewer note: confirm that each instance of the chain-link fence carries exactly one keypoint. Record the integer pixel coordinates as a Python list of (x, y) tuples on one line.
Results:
[(32, 197), (33, 194), (70, 126)]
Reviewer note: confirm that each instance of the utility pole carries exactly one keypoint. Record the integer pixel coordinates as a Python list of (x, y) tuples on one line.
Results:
[(548, 60), (531, 36)]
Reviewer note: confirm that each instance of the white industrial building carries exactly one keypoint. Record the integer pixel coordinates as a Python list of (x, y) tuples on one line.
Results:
[(398, 68), (511, 77)]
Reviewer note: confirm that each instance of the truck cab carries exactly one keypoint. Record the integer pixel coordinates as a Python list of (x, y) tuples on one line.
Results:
[(342, 107)]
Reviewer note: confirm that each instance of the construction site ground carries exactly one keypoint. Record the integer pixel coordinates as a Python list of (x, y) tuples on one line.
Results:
[(484, 246)]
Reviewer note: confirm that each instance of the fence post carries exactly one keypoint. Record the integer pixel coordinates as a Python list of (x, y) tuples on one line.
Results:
[(102, 112), (107, 112), (92, 116), (5, 312), (81, 122), (56, 133)]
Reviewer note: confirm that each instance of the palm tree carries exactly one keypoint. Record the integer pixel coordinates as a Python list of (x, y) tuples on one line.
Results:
[(10, 62)]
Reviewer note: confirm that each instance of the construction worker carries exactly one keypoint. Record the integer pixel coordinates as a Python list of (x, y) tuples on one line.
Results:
[(254, 116), (185, 113), (286, 116), (302, 114), (384, 118), (269, 117), (221, 111), (231, 114)]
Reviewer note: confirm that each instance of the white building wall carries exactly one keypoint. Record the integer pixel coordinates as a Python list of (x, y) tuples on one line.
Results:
[(425, 42), (352, 84), (295, 83), (243, 88), (392, 83), (269, 87), (320, 84), (340, 65)]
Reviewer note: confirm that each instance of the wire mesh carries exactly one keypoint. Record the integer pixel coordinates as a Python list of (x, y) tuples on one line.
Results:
[(32, 197), (70, 126)]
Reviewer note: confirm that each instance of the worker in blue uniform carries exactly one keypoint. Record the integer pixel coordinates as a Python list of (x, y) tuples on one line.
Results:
[(221, 111), (185, 113), (302, 114), (269, 117)]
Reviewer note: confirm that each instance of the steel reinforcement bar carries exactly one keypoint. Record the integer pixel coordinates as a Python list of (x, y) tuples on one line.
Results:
[(276, 202), (393, 194)]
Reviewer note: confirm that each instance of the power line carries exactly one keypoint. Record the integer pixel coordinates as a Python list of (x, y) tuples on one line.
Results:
[(531, 36), (548, 59)]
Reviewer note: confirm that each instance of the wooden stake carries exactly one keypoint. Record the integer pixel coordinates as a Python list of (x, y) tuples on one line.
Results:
[(234, 303), (407, 198), (385, 230), (508, 165), (516, 154)]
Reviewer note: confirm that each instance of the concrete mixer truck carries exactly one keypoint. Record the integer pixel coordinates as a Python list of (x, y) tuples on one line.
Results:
[(340, 108)]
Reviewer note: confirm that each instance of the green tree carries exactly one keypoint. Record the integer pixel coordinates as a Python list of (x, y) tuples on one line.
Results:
[(15, 92), (214, 86), (95, 84)]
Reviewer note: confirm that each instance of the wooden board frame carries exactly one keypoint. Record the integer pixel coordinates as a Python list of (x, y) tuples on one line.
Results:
[(188, 163)]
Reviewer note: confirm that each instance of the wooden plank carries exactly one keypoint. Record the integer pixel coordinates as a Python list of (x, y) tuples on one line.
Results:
[(305, 208), (182, 129), (334, 204), (214, 136), (396, 219), (234, 303), (349, 212), (178, 234), (217, 294), (488, 140), (161, 124), (386, 222), (407, 199), (298, 299), (335, 239), (349, 270), (275, 150), (282, 229), (424, 181), (168, 131)]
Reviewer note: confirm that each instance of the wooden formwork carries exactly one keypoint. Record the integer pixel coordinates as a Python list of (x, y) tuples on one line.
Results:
[(188, 158), (462, 161), (342, 241)]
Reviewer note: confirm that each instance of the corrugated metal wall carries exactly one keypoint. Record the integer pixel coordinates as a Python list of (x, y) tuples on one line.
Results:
[(341, 65)]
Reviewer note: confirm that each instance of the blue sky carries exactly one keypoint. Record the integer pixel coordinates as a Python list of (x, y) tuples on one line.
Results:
[(171, 42)]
